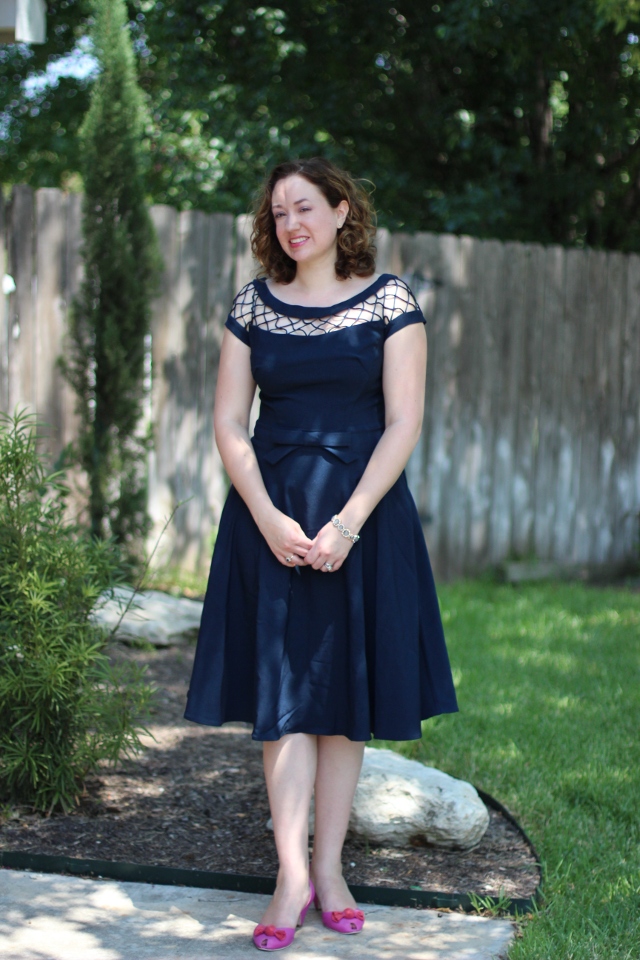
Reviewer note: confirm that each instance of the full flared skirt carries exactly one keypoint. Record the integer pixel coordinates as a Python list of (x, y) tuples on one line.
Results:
[(357, 652)]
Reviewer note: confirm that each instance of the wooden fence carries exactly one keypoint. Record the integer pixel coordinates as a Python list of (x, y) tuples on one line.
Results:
[(531, 441)]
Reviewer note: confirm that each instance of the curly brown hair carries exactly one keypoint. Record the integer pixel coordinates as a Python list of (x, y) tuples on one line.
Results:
[(356, 249)]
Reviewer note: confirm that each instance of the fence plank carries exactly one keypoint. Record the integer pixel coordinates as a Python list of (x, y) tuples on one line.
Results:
[(50, 309), (194, 231), (413, 259), (443, 323), (588, 496), (386, 244), (509, 346), (73, 272), (629, 474), (463, 442), (486, 381), (568, 424), (425, 282), (245, 266), (611, 529), (550, 402), (22, 333), (166, 334), (218, 294), (528, 407), (182, 371)]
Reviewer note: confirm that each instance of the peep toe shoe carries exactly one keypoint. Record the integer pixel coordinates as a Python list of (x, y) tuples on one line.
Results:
[(277, 938), (342, 921)]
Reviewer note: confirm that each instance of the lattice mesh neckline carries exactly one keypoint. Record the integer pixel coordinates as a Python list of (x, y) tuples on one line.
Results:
[(383, 301)]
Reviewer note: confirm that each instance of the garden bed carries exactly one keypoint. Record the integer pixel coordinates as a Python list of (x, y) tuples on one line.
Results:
[(196, 799)]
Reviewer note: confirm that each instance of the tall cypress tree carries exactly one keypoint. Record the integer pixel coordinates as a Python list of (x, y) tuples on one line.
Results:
[(111, 315)]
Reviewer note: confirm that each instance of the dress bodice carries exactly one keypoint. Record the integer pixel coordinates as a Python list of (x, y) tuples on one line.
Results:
[(320, 368)]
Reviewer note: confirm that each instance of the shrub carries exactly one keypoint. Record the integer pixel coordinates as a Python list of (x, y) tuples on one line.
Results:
[(63, 707)]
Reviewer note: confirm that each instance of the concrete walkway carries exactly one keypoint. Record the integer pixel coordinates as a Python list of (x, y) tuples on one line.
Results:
[(50, 917)]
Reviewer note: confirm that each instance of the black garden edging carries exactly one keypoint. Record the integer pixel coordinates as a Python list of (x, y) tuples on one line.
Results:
[(205, 879)]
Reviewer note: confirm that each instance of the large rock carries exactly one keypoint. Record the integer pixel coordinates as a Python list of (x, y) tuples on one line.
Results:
[(153, 617), (398, 801)]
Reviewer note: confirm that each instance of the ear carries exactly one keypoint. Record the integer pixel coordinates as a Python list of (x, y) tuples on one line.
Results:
[(342, 211)]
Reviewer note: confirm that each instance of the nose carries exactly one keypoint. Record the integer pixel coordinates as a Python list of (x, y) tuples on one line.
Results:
[(291, 221)]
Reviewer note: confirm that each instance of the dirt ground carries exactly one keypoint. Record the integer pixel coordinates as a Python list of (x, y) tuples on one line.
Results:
[(196, 799)]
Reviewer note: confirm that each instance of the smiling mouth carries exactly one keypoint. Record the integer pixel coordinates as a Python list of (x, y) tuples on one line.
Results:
[(298, 241)]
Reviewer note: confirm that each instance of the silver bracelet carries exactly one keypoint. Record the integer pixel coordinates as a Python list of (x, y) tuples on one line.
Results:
[(354, 537)]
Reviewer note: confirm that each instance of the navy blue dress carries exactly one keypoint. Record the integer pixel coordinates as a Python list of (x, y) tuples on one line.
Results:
[(358, 652)]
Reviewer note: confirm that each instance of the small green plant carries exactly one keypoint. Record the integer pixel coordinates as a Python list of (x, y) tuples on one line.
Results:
[(63, 707), (491, 906)]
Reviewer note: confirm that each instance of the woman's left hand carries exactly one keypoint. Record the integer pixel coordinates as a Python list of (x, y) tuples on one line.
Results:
[(328, 547)]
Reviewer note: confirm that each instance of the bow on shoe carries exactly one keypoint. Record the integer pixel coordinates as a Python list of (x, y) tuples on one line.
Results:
[(348, 914), (269, 931)]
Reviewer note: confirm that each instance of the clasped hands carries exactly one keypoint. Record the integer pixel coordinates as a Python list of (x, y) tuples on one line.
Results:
[(293, 548)]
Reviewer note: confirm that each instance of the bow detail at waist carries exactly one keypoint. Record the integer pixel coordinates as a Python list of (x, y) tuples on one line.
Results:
[(345, 445)]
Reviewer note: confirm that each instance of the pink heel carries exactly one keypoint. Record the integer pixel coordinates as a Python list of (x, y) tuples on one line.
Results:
[(347, 921), (277, 938)]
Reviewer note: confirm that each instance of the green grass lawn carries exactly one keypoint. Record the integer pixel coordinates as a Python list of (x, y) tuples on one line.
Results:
[(548, 680)]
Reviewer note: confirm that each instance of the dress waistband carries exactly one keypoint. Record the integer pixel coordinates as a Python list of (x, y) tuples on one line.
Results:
[(346, 445)]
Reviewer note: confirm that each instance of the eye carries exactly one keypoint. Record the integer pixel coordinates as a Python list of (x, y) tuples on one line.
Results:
[(304, 209)]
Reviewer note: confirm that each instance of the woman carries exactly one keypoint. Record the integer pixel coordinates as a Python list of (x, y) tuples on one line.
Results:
[(321, 622)]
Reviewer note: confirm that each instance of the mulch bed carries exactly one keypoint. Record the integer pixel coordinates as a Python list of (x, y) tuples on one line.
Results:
[(196, 799)]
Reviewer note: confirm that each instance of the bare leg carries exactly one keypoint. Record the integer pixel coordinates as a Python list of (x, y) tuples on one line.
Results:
[(290, 769), (339, 762)]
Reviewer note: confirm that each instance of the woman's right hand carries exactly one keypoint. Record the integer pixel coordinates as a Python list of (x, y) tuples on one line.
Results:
[(285, 538)]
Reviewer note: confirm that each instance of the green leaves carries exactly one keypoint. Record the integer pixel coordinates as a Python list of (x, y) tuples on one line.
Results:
[(550, 89), (111, 315), (63, 708)]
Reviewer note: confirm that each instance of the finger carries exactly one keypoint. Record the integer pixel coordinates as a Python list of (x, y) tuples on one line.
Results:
[(303, 541), (290, 559)]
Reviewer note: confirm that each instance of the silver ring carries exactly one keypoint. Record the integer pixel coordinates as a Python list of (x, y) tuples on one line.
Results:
[(329, 566), (288, 559)]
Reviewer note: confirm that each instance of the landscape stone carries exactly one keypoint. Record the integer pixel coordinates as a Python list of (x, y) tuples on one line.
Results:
[(400, 801), (154, 617)]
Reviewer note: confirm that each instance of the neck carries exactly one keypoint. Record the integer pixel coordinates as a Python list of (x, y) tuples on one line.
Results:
[(318, 275)]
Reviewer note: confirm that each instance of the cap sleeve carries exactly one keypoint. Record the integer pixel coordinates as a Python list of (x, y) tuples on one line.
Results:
[(241, 313), (400, 307)]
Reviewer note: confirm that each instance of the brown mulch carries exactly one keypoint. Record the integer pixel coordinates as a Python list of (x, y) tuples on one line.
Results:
[(196, 799)]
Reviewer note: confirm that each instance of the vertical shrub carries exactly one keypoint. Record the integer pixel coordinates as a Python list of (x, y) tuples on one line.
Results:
[(110, 317), (63, 708)]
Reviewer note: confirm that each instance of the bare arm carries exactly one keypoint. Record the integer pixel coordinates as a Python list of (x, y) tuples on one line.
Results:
[(403, 383), (234, 396)]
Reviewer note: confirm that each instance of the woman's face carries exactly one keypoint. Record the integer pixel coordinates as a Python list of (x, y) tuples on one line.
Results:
[(306, 223)]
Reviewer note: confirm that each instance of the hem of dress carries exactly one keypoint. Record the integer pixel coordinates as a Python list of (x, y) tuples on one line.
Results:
[(272, 737)]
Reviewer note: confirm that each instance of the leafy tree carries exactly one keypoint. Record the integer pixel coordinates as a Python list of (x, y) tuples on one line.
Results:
[(40, 120), (110, 317), (514, 119)]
